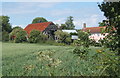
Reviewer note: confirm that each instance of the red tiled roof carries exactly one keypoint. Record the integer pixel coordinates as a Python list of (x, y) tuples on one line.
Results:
[(94, 29), (37, 26)]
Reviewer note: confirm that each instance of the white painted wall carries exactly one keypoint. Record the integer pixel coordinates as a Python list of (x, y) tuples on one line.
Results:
[(97, 36)]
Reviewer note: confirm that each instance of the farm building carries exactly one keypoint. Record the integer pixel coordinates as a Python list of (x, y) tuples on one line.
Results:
[(47, 28), (95, 32), (71, 31)]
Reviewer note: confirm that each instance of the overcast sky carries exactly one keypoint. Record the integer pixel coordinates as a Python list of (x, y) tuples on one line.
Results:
[(22, 13)]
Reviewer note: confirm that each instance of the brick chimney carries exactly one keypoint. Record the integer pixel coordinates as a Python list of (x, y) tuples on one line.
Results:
[(84, 25)]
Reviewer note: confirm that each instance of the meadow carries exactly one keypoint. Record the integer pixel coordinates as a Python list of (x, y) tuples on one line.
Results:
[(24, 59)]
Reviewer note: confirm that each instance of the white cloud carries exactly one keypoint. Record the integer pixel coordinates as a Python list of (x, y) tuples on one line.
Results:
[(28, 7), (60, 21), (52, 0), (46, 4), (91, 21), (23, 26), (61, 12)]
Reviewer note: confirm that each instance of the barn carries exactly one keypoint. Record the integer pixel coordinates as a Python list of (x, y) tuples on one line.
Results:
[(47, 28)]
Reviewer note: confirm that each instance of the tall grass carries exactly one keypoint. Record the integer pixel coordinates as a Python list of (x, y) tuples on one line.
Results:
[(49, 60)]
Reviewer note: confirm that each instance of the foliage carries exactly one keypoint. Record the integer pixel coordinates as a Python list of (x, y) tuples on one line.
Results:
[(74, 33), (39, 20), (15, 30), (5, 28), (37, 36), (83, 38), (96, 44), (110, 41), (69, 23), (21, 36), (5, 24), (112, 12), (63, 26), (103, 23), (62, 37), (34, 36), (5, 36), (68, 40), (17, 27), (38, 61), (0, 36), (80, 51)]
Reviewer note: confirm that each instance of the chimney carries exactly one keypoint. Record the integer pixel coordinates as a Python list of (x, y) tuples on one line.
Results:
[(84, 25)]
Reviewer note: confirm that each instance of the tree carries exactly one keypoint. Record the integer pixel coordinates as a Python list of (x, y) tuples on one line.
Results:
[(5, 36), (17, 27), (5, 28), (5, 24), (21, 36), (39, 20), (62, 37), (63, 26), (69, 23), (103, 23), (112, 12)]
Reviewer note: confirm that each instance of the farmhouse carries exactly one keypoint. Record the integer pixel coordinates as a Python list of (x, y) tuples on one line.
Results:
[(95, 32), (47, 28)]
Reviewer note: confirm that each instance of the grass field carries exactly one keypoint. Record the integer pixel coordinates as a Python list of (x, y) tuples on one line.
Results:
[(25, 59)]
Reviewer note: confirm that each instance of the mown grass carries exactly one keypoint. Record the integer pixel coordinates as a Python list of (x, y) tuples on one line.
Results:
[(25, 59)]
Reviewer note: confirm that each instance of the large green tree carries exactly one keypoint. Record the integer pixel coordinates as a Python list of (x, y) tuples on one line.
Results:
[(5, 28), (112, 12), (39, 20), (103, 23), (4, 20), (69, 23)]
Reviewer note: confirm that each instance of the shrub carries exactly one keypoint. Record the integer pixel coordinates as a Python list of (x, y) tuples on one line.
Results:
[(15, 30), (34, 36), (37, 36), (68, 40), (83, 38), (80, 51), (21, 36)]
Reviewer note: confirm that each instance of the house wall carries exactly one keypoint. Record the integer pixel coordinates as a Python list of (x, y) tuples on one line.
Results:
[(97, 36)]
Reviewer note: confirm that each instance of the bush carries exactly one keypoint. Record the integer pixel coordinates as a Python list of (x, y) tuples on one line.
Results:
[(34, 36), (15, 30), (80, 51), (68, 40), (21, 36), (83, 38), (37, 36)]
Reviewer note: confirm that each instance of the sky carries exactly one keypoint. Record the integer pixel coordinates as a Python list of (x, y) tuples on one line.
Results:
[(22, 13)]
